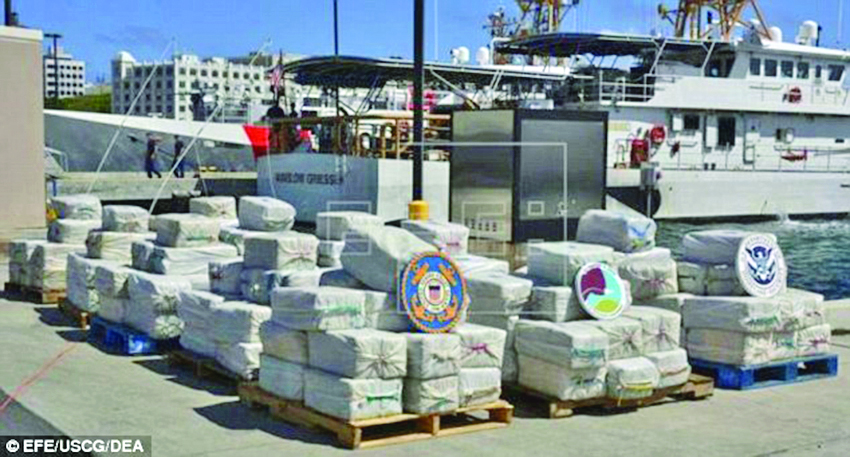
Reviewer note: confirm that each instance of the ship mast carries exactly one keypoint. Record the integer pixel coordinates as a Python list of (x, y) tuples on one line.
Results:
[(687, 19)]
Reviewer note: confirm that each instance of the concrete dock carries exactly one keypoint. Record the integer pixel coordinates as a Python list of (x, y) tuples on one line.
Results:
[(88, 392)]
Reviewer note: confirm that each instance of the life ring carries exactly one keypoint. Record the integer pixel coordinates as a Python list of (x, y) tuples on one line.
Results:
[(657, 135), (794, 95)]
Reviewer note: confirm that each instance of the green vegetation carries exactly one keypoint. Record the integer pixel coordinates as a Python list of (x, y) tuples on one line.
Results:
[(100, 103)]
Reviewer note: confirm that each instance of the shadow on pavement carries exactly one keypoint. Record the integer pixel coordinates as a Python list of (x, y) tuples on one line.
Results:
[(73, 336), (185, 377), (236, 416), (52, 316)]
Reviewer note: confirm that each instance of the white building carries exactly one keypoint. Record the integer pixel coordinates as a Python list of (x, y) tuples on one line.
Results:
[(72, 74), (238, 86)]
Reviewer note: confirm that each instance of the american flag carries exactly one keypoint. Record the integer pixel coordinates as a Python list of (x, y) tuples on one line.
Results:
[(276, 75)]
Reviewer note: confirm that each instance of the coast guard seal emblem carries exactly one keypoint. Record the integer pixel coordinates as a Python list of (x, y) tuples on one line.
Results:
[(601, 292), (433, 292), (761, 266)]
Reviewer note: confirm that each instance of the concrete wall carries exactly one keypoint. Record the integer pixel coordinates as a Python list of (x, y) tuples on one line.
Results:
[(22, 199)]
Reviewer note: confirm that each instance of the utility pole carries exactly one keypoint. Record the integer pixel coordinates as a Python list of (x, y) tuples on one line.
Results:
[(418, 81), (55, 37), (336, 53), (8, 21)]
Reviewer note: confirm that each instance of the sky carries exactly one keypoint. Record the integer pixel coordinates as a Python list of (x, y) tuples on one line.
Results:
[(95, 30)]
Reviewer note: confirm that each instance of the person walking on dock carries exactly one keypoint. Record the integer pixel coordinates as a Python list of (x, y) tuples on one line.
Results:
[(178, 165), (150, 157)]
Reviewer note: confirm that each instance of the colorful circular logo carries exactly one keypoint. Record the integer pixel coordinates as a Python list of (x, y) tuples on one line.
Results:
[(601, 292), (761, 266), (434, 293)]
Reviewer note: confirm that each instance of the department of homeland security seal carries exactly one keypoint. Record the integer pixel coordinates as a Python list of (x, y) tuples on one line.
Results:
[(434, 292), (601, 292), (761, 266)]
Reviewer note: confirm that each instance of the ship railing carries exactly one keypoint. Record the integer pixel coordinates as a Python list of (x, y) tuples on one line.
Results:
[(770, 158), (623, 89)]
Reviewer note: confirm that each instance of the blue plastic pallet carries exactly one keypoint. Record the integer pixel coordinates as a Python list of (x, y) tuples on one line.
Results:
[(125, 340), (771, 374)]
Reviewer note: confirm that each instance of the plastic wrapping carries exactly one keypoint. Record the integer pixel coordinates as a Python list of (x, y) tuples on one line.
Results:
[(432, 355), (801, 309), (561, 382), (281, 378), (333, 225), (283, 343), (623, 232), (479, 386), (265, 214), (235, 236), (431, 396), (196, 307), (81, 284), (673, 302), (509, 358), (471, 264), (481, 346), (559, 262), (631, 378), (737, 348), (377, 256), (363, 353), (497, 293), (650, 278), (140, 253), (71, 231), (282, 251), (813, 340), (338, 277), (715, 246), (113, 309), (650, 255), (215, 207), (186, 230), (237, 322), (352, 399), (125, 218), (241, 359), (189, 261), (111, 280), (153, 304), (20, 253), (115, 246), (331, 248), (672, 366), (319, 308), (555, 304), (85, 207), (48, 265), (625, 337), (735, 314), (661, 328), (384, 312), (197, 341), (226, 276), (450, 238), (576, 345)]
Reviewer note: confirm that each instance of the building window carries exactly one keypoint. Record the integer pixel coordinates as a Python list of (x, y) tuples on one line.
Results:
[(137, 85), (182, 109), (159, 98), (755, 67), (235, 75), (169, 109), (159, 84), (126, 98), (726, 131), (170, 85), (802, 70), (147, 97), (256, 76), (169, 71), (193, 72), (787, 69), (158, 108), (137, 110), (247, 76), (182, 84), (203, 72), (835, 72), (770, 68), (183, 71), (215, 73), (225, 74)]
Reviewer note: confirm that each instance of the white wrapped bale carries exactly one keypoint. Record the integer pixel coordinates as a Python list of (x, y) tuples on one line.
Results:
[(555, 304), (653, 254), (561, 382), (331, 248), (237, 322), (497, 293), (115, 246), (450, 238), (214, 207), (711, 280), (575, 345), (714, 246), (236, 236), (281, 378), (432, 355), (735, 314), (691, 277), (479, 386), (630, 379), (189, 261), (71, 231), (113, 309), (241, 359), (650, 278), (625, 337), (471, 264), (431, 396), (813, 340), (197, 341), (737, 348), (20, 253), (352, 399), (801, 309), (83, 207), (481, 347), (338, 277), (319, 308), (17, 274), (384, 312), (257, 284), (303, 278), (377, 256), (362, 353), (81, 284), (140, 253), (153, 304), (283, 343), (283, 251), (186, 230), (328, 262), (226, 276), (125, 218), (509, 358), (673, 302), (559, 262), (48, 265), (673, 368), (333, 225), (265, 214), (623, 232), (111, 280), (196, 308), (661, 328)]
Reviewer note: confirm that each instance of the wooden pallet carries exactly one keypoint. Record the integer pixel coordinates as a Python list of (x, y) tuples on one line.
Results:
[(41, 296), (124, 340), (770, 374), (13, 289), (81, 318), (205, 367), (697, 387), (401, 428)]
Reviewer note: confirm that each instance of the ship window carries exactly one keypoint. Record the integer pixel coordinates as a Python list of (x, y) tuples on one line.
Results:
[(818, 72), (726, 131), (802, 70), (691, 122), (835, 72), (755, 67), (787, 69), (770, 68), (839, 141)]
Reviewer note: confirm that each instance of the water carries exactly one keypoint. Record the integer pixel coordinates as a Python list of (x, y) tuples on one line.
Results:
[(817, 251)]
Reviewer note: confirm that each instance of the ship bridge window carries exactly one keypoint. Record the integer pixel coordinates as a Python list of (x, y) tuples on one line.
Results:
[(818, 72), (835, 72), (755, 67), (726, 131), (787, 69), (691, 122), (770, 68), (802, 70)]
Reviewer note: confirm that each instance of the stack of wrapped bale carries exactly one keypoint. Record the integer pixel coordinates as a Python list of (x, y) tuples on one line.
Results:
[(482, 352), (20, 253), (153, 305), (272, 259), (257, 215), (221, 208), (708, 264), (453, 239), (111, 283), (432, 384), (122, 226), (235, 330), (81, 281), (332, 227), (195, 310)]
